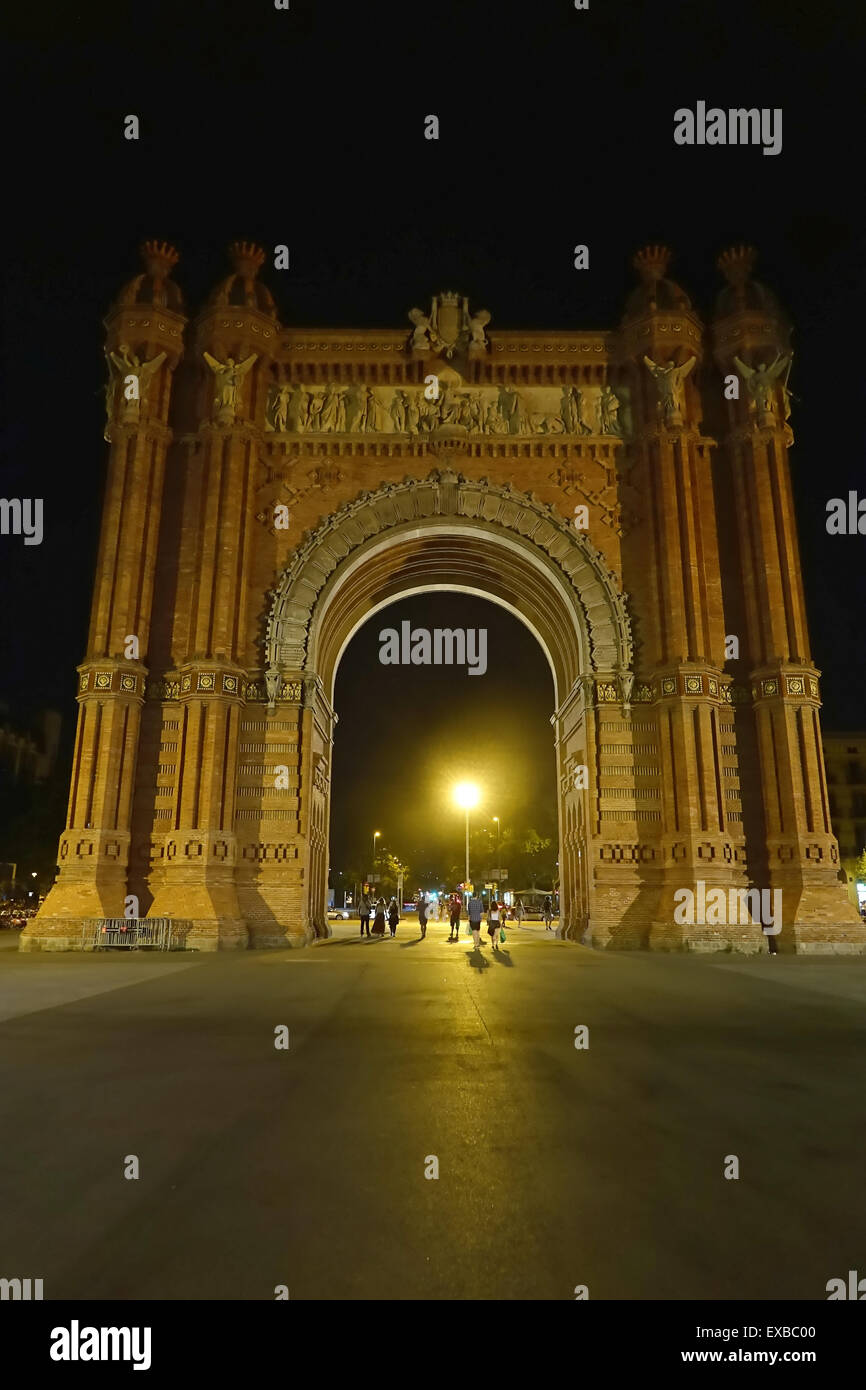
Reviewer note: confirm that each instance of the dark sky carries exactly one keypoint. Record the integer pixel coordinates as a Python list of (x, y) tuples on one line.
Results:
[(306, 127), (407, 735)]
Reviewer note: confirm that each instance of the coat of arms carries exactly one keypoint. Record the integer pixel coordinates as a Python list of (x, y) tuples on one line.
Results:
[(449, 326)]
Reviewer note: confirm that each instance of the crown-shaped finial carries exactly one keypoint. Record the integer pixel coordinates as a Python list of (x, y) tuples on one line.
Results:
[(449, 297), (737, 264), (651, 263), (159, 259), (246, 258)]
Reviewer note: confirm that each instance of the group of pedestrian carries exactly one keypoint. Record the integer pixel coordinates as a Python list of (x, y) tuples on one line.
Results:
[(387, 916), (496, 913), (383, 915)]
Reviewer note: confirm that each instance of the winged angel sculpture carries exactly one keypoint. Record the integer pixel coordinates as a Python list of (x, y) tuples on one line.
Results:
[(229, 375), (669, 379), (135, 375), (761, 381)]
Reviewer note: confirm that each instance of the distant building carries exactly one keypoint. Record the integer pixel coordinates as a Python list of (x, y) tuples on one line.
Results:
[(845, 761), (28, 755)]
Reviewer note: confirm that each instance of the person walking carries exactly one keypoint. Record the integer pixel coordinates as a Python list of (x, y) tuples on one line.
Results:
[(379, 919), (547, 911), (519, 911), (476, 910), (393, 916), (422, 914), (454, 905), (493, 915), (364, 910)]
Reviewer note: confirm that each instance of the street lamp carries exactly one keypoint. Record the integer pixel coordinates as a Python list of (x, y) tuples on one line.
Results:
[(376, 835), (466, 794), (496, 822)]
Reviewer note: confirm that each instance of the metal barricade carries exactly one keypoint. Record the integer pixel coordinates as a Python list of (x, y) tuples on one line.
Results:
[(134, 934)]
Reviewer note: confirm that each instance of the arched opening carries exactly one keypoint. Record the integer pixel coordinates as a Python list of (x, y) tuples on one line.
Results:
[(408, 732), (447, 533)]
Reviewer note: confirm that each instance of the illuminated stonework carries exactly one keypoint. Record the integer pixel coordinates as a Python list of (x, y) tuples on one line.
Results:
[(600, 485)]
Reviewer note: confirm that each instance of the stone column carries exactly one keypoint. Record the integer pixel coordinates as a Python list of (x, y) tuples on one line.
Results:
[(700, 846), (233, 343), (283, 845), (144, 343), (802, 852)]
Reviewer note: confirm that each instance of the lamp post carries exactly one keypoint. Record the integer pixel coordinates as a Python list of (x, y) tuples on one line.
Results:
[(466, 794), (498, 866), (376, 835)]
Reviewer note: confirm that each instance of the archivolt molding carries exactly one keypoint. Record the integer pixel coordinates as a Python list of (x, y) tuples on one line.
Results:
[(499, 507)]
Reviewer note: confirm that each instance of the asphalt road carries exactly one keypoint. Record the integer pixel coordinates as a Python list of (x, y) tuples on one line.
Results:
[(557, 1166)]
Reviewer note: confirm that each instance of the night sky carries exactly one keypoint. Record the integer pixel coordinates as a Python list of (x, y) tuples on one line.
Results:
[(306, 127)]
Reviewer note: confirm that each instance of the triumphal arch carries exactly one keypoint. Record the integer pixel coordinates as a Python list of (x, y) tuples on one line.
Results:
[(625, 492)]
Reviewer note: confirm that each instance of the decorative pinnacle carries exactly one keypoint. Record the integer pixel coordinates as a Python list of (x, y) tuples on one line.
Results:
[(159, 258), (737, 264), (247, 258), (651, 263)]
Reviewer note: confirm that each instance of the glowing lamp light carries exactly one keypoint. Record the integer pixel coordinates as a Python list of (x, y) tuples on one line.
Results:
[(467, 795)]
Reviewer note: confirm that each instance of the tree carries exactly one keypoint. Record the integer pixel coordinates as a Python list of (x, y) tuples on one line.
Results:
[(860, 868), (391, 868)]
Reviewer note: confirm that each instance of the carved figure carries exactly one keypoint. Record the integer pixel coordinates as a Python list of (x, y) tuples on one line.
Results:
[(273, 682), (280, 407), (422, 337), (477, 325), (352, 401), (413, 413), (123, 364), (761, 381), (566, 408), (669, 378), (298, 413), (397, 411), (317, 400), (608, 407), (369, 411), (331, 409), (506, 403), (449, 406), (229, 375), (518, 422)]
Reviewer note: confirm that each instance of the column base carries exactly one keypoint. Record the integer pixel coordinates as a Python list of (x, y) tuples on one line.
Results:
[(53, 934), (208, 904), (274, 913), (671, 936), (222, 934), (829, 939)]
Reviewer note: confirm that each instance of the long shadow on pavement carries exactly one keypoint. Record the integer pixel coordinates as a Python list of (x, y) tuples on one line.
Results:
[(477, 961)]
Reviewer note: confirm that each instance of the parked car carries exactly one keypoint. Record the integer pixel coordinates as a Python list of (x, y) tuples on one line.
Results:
[(338, 914)]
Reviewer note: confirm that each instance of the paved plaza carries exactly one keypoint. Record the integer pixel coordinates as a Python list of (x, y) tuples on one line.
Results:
[(557, 1166)]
